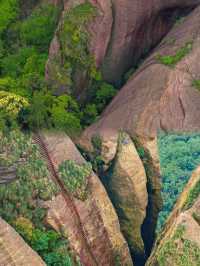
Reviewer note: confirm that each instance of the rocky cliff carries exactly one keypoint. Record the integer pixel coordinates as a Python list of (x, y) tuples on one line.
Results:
[(98, 41), (116, 43), (179, 243), (99, 240), (161, 95), (127, 183), (14, 251)]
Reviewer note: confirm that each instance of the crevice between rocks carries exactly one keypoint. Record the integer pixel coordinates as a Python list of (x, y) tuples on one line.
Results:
[(167, 18)]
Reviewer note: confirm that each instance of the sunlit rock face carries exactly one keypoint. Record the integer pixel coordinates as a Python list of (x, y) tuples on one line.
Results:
[(14, 251), (158, 96), (104, 241), (127, 184), (120, 33), (179, 242)]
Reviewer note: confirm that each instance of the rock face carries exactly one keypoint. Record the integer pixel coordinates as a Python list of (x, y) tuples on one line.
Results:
[(13, 249), (117, 41), (136, 32), (179, 243), (102, 239), (159, 96), (128, 191)]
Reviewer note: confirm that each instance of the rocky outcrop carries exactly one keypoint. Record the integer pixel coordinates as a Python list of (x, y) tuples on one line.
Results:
[(160, 95), (102, 238), (179, 242), (13, 249), (128, 163), (117, 37), (135, 33), (128, 191)]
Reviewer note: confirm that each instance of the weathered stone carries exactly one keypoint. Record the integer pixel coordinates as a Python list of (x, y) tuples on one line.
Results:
[(158, 97), (14, 251), (184, 218), (128, 190), (121, 32), (97, 215)]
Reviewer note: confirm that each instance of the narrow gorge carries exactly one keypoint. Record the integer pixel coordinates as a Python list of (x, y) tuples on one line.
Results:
[(100, 133)]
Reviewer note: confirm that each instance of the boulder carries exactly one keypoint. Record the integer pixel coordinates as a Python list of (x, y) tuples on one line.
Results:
[(14, 250), (128, 190), (100, 241)]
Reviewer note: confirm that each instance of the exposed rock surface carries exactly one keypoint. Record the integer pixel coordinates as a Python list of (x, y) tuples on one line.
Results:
[(121, 32), (157, 96), (13, 249), (180, 238), (128, 191), (97, 215)]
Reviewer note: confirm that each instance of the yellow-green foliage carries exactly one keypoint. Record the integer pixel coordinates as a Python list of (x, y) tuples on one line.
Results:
[(75, 177), (12, 103), (50, 245), (73, 38), (24, 224), (179, 251)]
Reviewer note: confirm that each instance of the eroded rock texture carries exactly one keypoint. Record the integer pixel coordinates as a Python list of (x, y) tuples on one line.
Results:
[(179, 242), (159, 96), (127, 183), (13, 249), (120, 33), (103, 243)]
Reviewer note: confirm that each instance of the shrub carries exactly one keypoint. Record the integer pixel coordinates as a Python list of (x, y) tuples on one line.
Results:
[(193, 194), (172, 60), (37, 115), (49, 244), (8, 12), (65, 114), (13, 64), (103, 95), (75, 177), (74, 47), (38, 29), (11, 103), (89, 114), (18, 198), (196, 84), (179, 251)]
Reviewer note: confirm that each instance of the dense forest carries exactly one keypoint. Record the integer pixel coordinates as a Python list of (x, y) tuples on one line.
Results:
[(179, 156), (26, 99)]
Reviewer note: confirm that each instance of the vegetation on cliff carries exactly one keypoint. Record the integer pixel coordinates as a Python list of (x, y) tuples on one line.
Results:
[(179, 156), (22, 199), (172, 60), (23, 54), (75, 178), (179, 251)]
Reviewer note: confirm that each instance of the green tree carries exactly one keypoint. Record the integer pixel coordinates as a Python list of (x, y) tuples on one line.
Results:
[(8, 12), (38, 29), (65, 114)]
